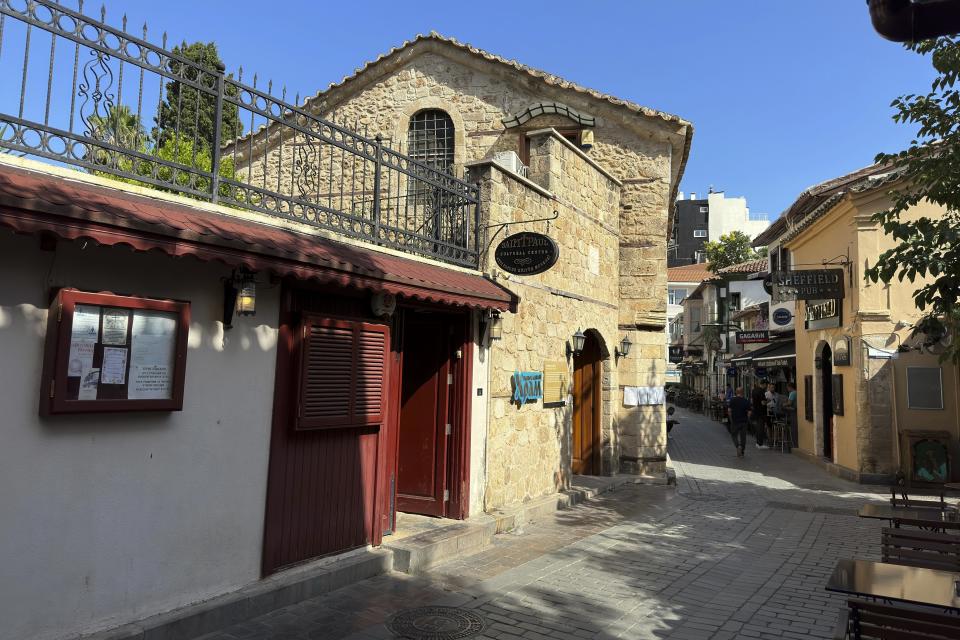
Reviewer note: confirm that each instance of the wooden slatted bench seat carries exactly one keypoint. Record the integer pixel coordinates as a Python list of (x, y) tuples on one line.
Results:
[(932, 500), (917, 548), (866, 620)]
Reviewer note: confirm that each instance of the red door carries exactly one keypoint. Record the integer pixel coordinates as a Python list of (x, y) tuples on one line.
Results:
[(424, 410), (325, 453)]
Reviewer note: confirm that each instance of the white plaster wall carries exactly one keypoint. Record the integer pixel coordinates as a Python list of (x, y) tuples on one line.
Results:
[(478, 420), (731, 214), (109, 518), (751, 292), (790, 305)]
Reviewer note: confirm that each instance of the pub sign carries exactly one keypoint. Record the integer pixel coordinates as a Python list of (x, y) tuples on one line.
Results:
[(676, 354), (841, 352), (807, 284), (526, 253)]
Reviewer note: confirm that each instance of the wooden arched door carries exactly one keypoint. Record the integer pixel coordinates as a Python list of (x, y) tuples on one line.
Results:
[(585, 457)]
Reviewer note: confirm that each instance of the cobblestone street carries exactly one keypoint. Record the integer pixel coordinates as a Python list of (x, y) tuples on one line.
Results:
[(740, 548)]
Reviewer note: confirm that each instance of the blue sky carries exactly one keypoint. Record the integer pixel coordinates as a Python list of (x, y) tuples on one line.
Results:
[(782, 94)]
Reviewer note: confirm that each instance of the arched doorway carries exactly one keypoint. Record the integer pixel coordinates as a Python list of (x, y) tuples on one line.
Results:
[(587, 398), (826, 383)]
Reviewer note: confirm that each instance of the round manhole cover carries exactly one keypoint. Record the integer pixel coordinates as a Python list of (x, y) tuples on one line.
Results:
[(436, 623), (705, 497)]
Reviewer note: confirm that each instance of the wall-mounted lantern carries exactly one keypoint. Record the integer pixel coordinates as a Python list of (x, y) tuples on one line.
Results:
[(579, 338), (624, 349), (491, 327), (247, 300), (239, 295), (818, 363)]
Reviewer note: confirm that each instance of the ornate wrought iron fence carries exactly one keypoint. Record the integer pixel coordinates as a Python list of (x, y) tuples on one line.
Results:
[(67, 98)]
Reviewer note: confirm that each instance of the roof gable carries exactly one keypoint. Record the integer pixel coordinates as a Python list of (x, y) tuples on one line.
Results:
[(435, 42)]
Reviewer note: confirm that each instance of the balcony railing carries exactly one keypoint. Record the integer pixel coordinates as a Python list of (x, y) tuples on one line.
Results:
[(79, 92)]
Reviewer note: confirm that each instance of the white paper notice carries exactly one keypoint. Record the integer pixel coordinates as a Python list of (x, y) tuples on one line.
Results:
[(650, 395), (86, 323), (150, 382), (81, 357), (115, 326), (114, 367), (152, 343), (88, 384), (630, 397)]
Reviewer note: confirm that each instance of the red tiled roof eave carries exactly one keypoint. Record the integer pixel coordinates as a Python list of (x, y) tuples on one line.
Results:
[(37, 203)]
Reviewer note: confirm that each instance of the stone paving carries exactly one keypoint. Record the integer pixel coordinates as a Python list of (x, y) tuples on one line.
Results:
[(741, 548)]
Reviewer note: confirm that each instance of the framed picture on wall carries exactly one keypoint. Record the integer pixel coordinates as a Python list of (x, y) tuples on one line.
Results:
[(928, 458), (837, 394)]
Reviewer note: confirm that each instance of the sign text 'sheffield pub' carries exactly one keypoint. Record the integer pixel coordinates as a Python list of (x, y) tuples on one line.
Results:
[(811, 284)]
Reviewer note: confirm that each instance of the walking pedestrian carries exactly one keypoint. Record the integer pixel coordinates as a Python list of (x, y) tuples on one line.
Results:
[(739, 412)]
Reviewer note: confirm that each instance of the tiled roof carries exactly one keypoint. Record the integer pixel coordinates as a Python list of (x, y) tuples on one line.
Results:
[(815, 201), (689, 273), (40, 203), (750, 266), (548, 78)]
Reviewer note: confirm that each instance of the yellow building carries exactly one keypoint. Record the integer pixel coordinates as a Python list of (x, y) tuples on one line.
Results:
[(869, 394)]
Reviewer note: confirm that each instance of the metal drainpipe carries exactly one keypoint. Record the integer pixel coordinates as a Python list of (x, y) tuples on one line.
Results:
[(914, 20)]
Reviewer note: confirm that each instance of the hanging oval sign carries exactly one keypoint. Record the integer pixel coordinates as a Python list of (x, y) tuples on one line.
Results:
[(527, 253)]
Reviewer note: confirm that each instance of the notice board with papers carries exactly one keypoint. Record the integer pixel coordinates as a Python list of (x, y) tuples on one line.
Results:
[(106, 352)]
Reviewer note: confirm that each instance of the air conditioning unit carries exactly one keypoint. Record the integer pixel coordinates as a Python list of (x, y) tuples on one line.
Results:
[(510, 161)]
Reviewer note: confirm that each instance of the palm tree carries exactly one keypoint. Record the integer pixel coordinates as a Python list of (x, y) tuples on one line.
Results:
[(120, 127)]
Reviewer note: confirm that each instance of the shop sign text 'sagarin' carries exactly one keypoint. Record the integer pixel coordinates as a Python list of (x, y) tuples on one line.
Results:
[(527, 253)]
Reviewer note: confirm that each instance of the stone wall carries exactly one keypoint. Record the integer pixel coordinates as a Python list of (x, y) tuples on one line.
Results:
[(529, 446), (635, 149)]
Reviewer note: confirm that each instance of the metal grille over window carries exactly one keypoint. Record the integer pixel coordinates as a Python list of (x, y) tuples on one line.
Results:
[(430, 139)]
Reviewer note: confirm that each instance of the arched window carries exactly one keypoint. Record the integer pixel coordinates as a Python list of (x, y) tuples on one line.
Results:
[(430, 139)]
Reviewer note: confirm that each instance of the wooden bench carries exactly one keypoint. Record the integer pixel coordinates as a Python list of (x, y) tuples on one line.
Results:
[(865, 619), (917, 548), (899, 498)]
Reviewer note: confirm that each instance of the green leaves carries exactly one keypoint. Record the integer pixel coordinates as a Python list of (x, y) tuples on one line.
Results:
[(732, 248), (928, 247)]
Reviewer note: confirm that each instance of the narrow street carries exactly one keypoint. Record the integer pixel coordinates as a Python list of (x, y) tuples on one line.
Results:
[(738, 549)]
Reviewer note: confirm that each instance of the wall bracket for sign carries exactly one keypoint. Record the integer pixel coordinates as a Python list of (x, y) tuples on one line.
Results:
[(506, 225)]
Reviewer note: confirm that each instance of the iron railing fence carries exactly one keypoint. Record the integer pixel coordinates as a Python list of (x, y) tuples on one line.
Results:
[(193, 129)]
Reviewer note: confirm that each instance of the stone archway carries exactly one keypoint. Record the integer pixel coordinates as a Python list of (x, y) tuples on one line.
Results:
[(590, 431)]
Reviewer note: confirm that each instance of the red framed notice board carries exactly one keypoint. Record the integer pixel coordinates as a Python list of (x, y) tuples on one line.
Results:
[(106, 352)]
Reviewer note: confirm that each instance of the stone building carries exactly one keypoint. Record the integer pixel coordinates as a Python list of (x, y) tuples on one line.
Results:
[(220, 396), (869, 390), (538, 144)]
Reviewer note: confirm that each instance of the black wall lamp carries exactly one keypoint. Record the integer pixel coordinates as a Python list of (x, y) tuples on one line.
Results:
[(624, 349), (579, 338), (239, 295)]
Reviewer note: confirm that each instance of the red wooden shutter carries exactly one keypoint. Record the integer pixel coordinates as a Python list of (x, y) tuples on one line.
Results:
[(343, 374)]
